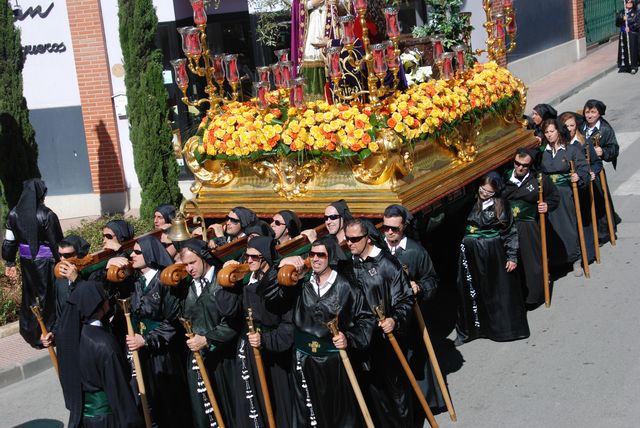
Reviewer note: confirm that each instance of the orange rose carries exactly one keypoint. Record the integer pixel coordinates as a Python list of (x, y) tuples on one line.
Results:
[(391, 123), (366, 139)]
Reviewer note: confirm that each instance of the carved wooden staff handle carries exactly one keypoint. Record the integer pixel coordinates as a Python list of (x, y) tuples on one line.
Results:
[(173, 274), (79, 263), (118, 273), (289, 276), (229, 275)]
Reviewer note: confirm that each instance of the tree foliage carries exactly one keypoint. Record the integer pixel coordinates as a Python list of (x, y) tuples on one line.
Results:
[(147, 108), (18, 148)]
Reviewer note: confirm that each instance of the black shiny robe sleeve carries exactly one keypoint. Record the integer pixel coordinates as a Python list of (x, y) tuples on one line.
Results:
[(504, 223), (103, 367), (609, 143), (419, 268), (49, 234), (383, 281)]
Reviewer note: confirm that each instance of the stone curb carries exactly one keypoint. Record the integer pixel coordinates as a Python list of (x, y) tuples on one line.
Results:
[(580, 86), (9, 329), (25, 370)]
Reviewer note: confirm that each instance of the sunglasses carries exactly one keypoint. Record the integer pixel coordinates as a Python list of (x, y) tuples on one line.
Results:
[(313, 254), (67, 255), (524, 165), (354, 239), (137, 252), (253, 257), (107, 235), (487, 192), (331, 217), (278, 223), (389, 228), (233, 220)]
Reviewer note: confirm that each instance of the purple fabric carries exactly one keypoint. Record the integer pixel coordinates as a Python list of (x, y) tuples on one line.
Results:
[(297, 34), (44, 252)]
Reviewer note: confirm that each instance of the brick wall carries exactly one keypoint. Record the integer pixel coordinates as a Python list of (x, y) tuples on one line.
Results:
[(94, 82), (578, 19)]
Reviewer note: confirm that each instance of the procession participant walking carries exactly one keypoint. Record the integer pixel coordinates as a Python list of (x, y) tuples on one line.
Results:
[(521, 190), (602, 136), (539, 114), (93, 370), (628, 20), (286, 225), (70, 246), (564, 247), (273, 337), (397, 224), (215, 336), (381, 277), (155, 309), (163, 215), (324, 297), (33, 231), (491, 303)]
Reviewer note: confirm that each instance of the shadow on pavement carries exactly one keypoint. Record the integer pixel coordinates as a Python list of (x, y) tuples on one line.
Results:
[(41, 423)]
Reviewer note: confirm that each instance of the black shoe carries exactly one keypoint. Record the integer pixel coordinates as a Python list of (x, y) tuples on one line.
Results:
[(459, 341), (633, 71)]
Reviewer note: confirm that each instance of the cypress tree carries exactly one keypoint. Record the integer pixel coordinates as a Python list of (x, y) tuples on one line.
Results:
[(147, 108), (18, 149)]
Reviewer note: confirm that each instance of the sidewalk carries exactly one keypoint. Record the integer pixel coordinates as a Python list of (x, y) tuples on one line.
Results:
[(19, 361)]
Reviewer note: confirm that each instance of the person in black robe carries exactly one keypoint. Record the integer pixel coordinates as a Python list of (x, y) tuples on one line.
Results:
[(70, 246), (238, 219), (33, 231), (274, 338), (628, 20), (93, 370), (601, 135), (215, 336), (398, 224), (319, 298), (155, 309), (539, 114), (564, 246), (384, 283), (259, 228), (286, 225), (491, 303), (594, 164), (521, 190), (163, 215)]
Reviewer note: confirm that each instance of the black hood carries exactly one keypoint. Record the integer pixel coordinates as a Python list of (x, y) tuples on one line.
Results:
[(343, 209), (167, 211), (292, 221), (246, 216), (266, 246), (33, 193), (335, 252), (545, 111), (200, 248), (154, 253), (80, 246), (122, 229), (260, 228)]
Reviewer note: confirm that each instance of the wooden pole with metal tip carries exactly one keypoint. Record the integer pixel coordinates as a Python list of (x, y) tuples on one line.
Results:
[(379, 312), (576, 202), (594, 219), (52, 353), (205, 376), (333, 329), (543, 245), (261, 376), (124, 303), (605, 195)]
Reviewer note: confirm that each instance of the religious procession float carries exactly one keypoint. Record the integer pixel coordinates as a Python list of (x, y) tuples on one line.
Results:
[(384, 132)]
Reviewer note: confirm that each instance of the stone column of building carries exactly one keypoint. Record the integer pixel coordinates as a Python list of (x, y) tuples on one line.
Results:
[(94, 82)]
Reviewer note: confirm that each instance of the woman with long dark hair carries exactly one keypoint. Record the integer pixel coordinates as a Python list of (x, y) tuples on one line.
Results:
[(491, 302)]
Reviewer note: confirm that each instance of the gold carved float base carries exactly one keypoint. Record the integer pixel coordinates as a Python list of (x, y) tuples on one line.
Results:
[(412, 176)]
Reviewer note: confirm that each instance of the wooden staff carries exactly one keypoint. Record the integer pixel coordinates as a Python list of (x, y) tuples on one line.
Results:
[(576, 202), (52, 353), (407, 370), (205, 376), (333, 329), (126, 308), (605, 195), (261, 376), (594, 219), (434, 362), (543, 245)]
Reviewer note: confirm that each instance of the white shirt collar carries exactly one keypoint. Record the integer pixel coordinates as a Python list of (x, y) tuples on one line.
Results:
[(594, 127), (95, 323), (151, 273), (518, 181), (321, 289), (208, 276), (402, 244), (486, 204)]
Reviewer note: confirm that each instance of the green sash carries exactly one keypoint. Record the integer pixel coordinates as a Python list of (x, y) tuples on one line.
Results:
[(312, 345), (475, 232), (561, 179), (145, 325), (95, 404), (523, 211)]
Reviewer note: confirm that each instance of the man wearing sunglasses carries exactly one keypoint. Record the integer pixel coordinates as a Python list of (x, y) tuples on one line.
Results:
[(286, 225), (215, 333), (381, 277), (233, 228), (521, 190)]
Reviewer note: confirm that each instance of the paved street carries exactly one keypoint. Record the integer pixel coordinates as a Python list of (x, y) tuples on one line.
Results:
[(580, 366)]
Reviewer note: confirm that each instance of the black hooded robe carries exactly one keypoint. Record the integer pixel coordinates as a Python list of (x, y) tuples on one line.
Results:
[(491, 303), (524, 208), (628, 42), (35, 232), (385, 385)]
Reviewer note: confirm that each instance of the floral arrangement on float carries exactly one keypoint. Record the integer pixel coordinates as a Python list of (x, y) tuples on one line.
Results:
[(245, 131)]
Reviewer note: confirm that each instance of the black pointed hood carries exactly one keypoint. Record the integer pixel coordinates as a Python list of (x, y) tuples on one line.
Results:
[(80, 246), (266, 246), (154, 253), (122, 229), (33, 193)]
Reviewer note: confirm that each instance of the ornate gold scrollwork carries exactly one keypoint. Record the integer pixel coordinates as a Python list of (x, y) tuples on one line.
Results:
[(290, 177), (212, 173), (463, 140), (394, 160)]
